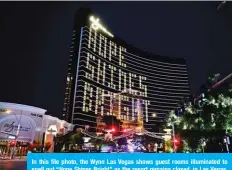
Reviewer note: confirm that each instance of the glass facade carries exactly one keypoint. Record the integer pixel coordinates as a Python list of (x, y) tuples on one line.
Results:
[(107, 76)]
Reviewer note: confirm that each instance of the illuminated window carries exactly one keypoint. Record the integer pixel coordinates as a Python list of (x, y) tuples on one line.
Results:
[(102, 109), (89, 39), (96, 111), (90, 105), (95, 41), (124, 117), (100, 44), (105, 46), (115, 50)]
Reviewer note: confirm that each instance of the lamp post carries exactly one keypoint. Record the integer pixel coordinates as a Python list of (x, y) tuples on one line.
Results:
[(173, 134), (203, 146)]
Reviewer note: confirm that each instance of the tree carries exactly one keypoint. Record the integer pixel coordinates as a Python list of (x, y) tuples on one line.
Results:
[(207, 124), (76, 139), (220, 108), (188, 126)]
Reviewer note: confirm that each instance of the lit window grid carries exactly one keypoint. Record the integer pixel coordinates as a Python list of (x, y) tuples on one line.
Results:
[(183, 66), (124, 81), (89, 107), (133, 109), (125, 65), (95, 41), (89, 39), (144, 87), (112, 49)]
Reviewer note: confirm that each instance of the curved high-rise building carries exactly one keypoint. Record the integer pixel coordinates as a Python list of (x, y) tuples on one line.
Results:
[(107, 76)]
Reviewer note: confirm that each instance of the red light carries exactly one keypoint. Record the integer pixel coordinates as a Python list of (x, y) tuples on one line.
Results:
[(113, 130), (176, 140), (124, 130), (12, 143)]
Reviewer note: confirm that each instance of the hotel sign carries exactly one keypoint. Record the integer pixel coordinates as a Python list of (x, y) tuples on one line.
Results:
[(95, 24), (25, 128), (3, 110)]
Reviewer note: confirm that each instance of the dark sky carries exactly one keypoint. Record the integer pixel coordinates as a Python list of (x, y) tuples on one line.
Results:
[(35, 39)]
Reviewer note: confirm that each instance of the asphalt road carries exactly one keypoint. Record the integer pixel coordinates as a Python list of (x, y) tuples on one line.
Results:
[(13, 165)]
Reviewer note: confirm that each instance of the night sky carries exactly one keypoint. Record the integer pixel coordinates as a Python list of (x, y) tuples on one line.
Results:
[(35, 38)]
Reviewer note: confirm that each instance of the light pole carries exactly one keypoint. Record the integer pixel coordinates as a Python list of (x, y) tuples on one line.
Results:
[(173, 134), (227, 142), (203, 146)]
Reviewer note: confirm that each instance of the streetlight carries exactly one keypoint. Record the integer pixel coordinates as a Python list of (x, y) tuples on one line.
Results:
[(172, 120), (154, 115), (173, 134), (203, 146)]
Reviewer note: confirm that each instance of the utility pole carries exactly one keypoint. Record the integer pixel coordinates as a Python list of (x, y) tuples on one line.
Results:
[(173, 134), (227, 142)]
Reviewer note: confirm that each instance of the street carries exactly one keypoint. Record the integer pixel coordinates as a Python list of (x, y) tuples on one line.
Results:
[(13, 165)]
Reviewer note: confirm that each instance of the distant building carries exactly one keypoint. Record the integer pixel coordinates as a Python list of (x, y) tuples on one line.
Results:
[(107, 76)]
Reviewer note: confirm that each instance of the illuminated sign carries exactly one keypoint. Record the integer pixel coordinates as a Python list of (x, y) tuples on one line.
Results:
[(4, 110), (11, 137), (111, 71), (95, 24), (25, 131), (37, 115)]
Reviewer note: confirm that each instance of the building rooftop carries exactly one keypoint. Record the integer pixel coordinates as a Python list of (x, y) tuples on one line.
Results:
[(6, 105)]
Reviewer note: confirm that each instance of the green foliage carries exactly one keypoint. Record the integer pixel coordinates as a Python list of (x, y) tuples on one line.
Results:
[(208, 123), (76, 138), (168, 146)]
